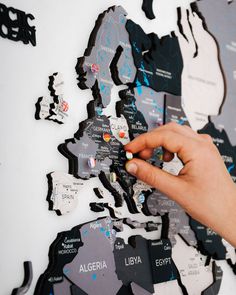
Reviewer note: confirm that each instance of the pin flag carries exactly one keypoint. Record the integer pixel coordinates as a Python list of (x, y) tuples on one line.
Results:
[(91, 162), (95, 68), (106, 137)]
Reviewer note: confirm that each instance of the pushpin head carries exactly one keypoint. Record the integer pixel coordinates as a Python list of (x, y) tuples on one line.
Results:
[(129, 155), (98, 111), (91, 162), (106, 137), (160, 157), (64, 106), (121, 133), (113, 177), (95, 68), (141, 198)]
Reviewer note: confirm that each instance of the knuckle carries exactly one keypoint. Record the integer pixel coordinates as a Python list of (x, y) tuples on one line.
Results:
[(146, 139), (152, 178), (209, 147), (207, 137), (173, 125), (142, 175), (188, 128), (147, 175)]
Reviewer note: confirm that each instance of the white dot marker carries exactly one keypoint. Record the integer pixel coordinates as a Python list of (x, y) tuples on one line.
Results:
[(129, 156)]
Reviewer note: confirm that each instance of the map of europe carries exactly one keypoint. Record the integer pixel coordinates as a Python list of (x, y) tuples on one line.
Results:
[(187, 77)]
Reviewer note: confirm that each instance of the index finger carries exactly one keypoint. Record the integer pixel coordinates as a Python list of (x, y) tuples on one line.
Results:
[(172, 141)]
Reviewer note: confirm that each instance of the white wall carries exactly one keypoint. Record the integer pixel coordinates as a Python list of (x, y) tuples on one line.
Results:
[(28, 148)]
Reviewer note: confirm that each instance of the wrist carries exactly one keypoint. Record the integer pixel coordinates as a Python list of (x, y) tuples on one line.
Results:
[(226, 220)]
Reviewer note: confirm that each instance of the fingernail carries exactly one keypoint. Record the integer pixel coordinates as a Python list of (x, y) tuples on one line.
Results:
[(131, 168)]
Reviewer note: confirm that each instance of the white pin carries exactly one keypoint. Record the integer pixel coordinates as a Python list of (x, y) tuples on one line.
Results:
[(113, 177), (129, 156)]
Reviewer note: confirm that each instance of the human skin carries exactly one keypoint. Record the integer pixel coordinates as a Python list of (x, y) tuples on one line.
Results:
[(203, 187)]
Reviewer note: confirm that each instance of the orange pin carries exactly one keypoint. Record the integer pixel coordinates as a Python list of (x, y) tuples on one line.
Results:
[(106, 137)]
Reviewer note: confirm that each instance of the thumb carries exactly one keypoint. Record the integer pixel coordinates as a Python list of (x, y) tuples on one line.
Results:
[(172, 186)]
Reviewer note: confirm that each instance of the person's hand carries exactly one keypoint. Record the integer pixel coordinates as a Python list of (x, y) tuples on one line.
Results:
[(203, 187)]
